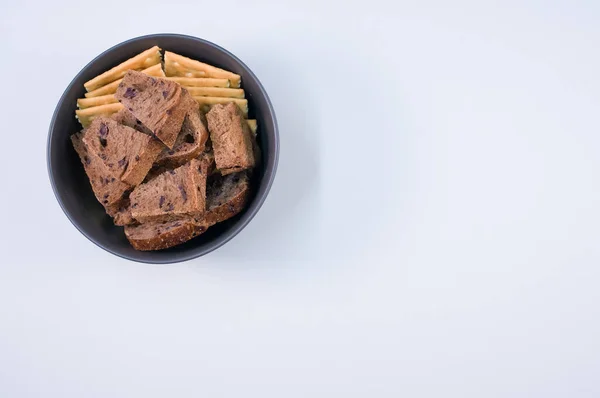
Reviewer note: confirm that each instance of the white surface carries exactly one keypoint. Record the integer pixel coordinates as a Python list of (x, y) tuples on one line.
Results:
[(432, 232)]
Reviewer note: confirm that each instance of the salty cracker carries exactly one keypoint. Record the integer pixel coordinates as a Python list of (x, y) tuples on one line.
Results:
[(85, 116), (141, 61), (199, 81), (178, 65), (176, 70), (207, 102), (111, 88), (83, 103), (216, 92), (253, 125)]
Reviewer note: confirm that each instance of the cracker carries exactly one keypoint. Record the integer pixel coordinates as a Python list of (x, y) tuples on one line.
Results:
[(176, 70), (200, 81), (83, 103), (85, 116), (216, 92), (111, 88), (178, 65), (139, 62), (252, 124), (207, 102)]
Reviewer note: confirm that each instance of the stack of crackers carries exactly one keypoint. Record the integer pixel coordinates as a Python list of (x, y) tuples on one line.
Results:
[(208, 84)]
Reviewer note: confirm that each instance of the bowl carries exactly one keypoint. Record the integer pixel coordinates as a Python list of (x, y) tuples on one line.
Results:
[(72, 188)]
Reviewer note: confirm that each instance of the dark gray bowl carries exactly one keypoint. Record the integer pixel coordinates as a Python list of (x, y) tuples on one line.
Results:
[(70, 184)]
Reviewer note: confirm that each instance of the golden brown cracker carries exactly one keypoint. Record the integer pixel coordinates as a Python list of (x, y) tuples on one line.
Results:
[(141, 61), (199, 81), (85, 116), (216, 92), (111, 88), (253, 125), (178, 65), (83, 103)]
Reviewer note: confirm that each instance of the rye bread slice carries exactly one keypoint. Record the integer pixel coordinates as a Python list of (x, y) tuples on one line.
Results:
[(162, 235), (231, 138), (172, 194), (124, 150), (190, 142), (160, 104), (105, 182), (226, 196)]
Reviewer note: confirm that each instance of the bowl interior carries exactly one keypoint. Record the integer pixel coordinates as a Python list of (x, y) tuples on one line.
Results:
[(70, 183)]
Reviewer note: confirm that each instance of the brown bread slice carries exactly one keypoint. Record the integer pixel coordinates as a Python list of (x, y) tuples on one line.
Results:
[(190, 142), (231, 138), (160, 104), (162, 235), (226, 196), (172, 194), (126, 151), (107, 186)]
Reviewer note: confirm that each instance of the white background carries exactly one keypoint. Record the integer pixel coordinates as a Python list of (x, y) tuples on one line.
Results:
[(432, 232)]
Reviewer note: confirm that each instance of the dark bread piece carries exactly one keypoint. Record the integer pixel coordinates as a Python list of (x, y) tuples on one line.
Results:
[(162, 235), (190, 142), (172, 194), (231, 138), (124, 150), (126, 118), (226, 196), (106, 184), (160, 104)]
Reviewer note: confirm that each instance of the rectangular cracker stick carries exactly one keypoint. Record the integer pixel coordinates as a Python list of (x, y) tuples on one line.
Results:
[(216, 92), (85, 116), (207, 102), (177, 70), (139, 62), (178, 65), (252, 124), (200, 81), (83, 103), (111, 88)]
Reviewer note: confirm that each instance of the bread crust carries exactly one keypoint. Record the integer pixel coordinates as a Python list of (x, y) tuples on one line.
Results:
[(162, 235)]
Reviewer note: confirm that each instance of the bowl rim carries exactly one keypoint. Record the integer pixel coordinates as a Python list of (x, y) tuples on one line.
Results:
[(267, 180)]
